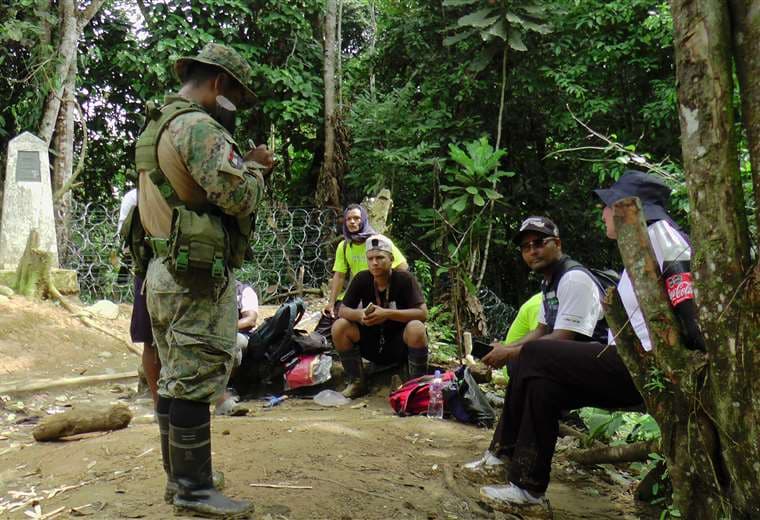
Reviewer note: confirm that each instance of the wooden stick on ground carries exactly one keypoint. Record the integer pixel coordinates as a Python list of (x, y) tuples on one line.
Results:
[(82, 420), (611, 454), (46, 384), (279, 486)]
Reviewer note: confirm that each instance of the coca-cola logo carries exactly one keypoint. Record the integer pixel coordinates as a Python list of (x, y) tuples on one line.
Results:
[(680, 288)]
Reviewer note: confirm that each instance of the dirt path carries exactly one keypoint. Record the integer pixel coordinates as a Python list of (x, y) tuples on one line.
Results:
[(359, 462)]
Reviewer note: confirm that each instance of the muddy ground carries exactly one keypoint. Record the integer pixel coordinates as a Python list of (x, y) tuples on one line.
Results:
[(358, 461)]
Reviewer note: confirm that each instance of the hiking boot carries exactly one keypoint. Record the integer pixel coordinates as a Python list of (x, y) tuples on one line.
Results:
[(355, 375), (516, 500), (171, 484), (190, 455), (488, 468)]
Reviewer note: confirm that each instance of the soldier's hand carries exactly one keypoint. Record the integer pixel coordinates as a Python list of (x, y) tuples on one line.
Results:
[(262, 155)]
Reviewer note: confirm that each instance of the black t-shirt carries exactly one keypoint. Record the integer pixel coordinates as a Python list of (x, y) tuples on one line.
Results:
[(403, 293)]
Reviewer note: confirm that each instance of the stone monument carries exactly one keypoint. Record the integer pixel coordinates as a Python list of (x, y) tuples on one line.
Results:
[(27, 200), (27, 205)]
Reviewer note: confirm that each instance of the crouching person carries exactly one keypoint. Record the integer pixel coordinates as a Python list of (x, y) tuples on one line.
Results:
[(381, 319)]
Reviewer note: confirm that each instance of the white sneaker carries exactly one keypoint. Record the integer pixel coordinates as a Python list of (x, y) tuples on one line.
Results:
[(489, 467), (512, 498), (488, 460)]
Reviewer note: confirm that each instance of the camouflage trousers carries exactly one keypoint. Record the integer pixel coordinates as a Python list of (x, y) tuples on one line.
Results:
[(194, 330)]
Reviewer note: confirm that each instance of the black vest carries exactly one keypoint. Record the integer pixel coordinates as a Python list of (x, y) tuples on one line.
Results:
[(551, 303)]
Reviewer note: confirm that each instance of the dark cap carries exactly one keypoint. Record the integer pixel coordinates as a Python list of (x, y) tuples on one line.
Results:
[(541, 225), (652, 192)]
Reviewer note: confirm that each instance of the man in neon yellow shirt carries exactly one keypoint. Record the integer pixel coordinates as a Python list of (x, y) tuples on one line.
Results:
[(351, 256), (526, 319)]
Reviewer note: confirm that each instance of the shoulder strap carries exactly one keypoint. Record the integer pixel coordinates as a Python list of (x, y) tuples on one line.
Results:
[(146, 153)]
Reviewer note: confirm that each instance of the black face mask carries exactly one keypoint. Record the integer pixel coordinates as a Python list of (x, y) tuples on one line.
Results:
[(225, 113)]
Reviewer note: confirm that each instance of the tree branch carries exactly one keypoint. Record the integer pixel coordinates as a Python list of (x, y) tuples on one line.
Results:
[(638, 451)]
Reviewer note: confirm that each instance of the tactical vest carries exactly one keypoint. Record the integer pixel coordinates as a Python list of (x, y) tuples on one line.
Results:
[(551, 302), (201, 239)]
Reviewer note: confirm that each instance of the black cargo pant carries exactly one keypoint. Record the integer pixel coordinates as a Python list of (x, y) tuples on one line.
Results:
[(548, 377)]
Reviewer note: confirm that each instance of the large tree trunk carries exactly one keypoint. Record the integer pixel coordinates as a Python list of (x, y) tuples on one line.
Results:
[(328, 184), (727, 283)]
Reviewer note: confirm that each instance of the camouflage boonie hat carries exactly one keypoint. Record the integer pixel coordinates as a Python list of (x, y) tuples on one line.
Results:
[(224, 57)]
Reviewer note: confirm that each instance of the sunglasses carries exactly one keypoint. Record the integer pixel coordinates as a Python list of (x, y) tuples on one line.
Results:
[(538, 243)]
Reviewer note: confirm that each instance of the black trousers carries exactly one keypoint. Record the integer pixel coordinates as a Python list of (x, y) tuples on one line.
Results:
[(548, 377)]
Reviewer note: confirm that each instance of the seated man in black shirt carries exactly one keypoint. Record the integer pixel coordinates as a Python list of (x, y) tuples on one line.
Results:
[(381, 319)]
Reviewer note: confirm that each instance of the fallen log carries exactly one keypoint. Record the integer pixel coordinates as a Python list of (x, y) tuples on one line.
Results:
[(638, 451), (46, 384), (82, 420)]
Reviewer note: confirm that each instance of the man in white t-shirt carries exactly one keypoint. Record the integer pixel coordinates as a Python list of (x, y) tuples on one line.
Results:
[(571, 310)]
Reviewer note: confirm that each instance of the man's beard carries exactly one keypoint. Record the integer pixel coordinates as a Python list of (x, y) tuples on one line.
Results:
[(225, 113)]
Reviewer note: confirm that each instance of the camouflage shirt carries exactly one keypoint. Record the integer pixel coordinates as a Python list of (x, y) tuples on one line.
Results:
[(202, 163)]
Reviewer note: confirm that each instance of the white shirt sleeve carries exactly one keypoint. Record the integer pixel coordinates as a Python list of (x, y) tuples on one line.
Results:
[(541, 313), (249, 300), (579, 306), (625, 287), (128, 202)]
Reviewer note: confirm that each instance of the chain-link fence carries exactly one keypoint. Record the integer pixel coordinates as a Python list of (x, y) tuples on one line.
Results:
[(293, 249)]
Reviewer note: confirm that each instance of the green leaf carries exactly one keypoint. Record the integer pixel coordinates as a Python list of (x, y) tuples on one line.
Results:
[(499, 29), (460, 204), (471, 190), (480, 18), (492, 194), (478, 200), (456, 38), (484, 57), (516, 41)]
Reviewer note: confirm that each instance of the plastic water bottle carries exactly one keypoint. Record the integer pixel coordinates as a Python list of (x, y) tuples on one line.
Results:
[(435, 405)]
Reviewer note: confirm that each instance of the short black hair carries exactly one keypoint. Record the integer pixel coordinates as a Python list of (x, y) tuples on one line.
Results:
[(198, 73)]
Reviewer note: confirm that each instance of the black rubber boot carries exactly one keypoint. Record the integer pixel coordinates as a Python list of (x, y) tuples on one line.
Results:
[(417, 359), (355, 376), (171, 484), (190, 454)]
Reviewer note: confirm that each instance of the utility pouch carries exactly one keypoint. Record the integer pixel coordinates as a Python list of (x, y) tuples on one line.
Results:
[(198, 244), (239, 230), (132, 236)]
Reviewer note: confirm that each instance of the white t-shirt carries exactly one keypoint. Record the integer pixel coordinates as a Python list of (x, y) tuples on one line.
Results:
[(128, 202), (625, 287), (579, 304), (249, 301)]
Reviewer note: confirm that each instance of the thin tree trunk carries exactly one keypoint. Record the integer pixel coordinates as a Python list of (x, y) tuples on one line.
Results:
[(339, 55), (71, 26), (372, 42), (328, 187), (498, 144), (63, 165), (745, 22), (67, 54)]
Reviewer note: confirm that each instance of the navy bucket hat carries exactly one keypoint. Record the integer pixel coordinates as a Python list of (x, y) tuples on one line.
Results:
[(652, 192)]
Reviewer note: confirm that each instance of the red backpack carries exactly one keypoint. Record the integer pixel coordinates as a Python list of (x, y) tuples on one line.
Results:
[(412, 397)]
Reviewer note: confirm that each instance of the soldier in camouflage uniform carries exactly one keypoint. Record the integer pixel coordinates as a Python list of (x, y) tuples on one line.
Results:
[(188, 158)]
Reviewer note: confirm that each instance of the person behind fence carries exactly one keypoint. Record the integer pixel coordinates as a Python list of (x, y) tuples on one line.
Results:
[(555, 375), (196, 197), (381, 319), (570, 309), (351, 259)]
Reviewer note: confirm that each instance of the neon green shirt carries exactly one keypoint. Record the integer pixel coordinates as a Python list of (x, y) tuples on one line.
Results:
[(357, 260), (526, 319)]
